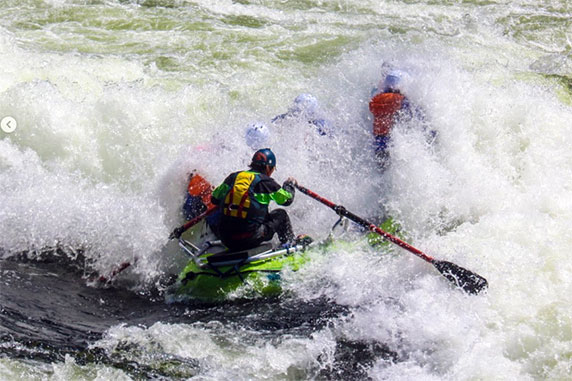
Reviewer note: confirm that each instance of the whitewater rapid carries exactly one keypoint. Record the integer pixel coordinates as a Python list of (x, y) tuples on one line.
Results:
[(117, 101)]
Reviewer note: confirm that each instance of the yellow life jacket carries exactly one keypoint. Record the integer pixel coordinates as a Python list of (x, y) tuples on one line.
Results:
[(238, 200)]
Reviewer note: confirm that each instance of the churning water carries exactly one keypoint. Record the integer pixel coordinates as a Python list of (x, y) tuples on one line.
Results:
[(117, 100)]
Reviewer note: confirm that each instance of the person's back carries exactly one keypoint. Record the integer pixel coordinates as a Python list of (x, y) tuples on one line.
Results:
[(199, 189), (384, 107), (243, 200), (387, 107), (390, 107), (198, 199)]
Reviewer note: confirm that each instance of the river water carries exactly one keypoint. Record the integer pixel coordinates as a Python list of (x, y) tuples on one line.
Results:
[(116, 101)]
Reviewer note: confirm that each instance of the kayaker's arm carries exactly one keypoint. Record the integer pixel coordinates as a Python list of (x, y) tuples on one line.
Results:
[(268, 190), (283, 197)]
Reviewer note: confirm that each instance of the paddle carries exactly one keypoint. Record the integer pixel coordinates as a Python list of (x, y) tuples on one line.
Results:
[(180, 230), (122, 266), (175, 234), (465, 279)]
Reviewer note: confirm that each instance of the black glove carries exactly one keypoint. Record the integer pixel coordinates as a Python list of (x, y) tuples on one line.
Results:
[(177, 233), (289, 186), (340, 210)]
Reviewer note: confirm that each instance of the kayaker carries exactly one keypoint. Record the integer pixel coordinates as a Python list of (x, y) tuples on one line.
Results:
[(305, 108), (199, 189), (387, 105), (198, 196), (198, 199), (243, 200), (390, 106)]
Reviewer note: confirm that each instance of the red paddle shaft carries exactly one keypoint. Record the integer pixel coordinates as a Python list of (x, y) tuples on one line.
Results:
[(342, 211), (175, 234), (180, 230), (465, 279)]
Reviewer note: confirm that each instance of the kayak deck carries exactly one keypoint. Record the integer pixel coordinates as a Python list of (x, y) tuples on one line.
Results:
[(213, 272)]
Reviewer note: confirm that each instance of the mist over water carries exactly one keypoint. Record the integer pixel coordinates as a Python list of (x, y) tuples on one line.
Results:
[(117, 101)]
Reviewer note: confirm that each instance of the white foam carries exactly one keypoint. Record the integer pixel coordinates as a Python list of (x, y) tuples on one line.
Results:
[(104, 144)]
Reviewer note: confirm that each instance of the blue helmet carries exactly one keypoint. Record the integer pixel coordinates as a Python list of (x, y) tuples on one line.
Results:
[(263, 157), (392, 80)]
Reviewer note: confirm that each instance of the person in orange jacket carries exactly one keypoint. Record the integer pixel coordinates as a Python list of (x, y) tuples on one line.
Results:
[(390, 107), (198, 199), (387, 107)]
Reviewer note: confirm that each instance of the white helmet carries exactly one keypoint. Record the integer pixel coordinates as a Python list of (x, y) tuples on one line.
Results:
[(305, 103), (256, 135)]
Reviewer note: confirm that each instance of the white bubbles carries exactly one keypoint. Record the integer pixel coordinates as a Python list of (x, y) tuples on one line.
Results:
[(218, 351), (47, 209), (105, 143)]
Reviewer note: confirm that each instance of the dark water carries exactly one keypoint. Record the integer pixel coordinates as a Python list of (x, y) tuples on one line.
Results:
[(49, 312)]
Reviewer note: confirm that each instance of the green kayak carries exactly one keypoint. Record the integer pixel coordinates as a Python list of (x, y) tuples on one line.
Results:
[(214, 272)]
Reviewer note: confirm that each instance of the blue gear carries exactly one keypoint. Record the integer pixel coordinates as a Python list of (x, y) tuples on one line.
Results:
[(263, 157)]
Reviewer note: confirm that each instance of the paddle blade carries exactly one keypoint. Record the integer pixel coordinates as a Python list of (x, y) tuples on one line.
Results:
[(467, 280)]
